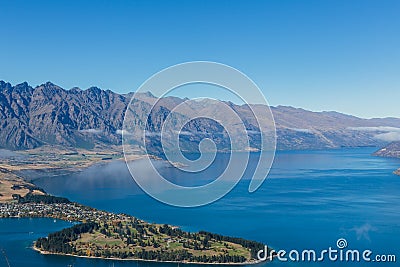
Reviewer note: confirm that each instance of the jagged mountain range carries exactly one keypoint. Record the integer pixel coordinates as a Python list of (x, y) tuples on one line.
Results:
[(48, 114)]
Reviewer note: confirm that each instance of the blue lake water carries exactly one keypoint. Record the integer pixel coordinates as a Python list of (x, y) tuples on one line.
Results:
[(309, 201)]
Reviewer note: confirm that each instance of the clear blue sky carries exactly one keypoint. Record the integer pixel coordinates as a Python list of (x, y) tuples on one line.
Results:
[(341, 55)]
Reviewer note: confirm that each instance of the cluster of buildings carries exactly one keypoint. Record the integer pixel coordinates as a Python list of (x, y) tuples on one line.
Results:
[(64, 211)]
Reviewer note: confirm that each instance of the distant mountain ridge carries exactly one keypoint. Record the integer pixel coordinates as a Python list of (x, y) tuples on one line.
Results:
[(48, 114)]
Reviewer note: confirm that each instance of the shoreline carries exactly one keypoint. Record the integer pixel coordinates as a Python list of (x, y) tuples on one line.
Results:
[(249, 261), (34, 175), (62, 171), (44, 252)]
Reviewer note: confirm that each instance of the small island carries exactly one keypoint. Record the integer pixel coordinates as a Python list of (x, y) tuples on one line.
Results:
[(392, 150), (102, 234)]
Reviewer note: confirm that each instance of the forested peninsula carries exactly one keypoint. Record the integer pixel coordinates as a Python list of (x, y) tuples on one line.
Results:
[(102, 234)]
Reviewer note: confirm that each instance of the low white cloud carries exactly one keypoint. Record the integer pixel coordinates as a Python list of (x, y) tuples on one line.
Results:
[(90, 131), (376, 129), (301, 130), (388, 137), (384, 133), (185, 133), (152, 133), (123, 132), (253, 132)]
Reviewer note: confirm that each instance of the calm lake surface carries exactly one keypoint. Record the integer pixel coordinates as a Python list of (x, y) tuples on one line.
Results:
[(309, 201)]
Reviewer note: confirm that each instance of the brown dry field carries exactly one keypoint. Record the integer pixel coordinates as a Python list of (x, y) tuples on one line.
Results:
[(52, 158)]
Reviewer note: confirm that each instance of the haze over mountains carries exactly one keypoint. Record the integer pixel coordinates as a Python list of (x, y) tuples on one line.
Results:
[(48, 114)]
